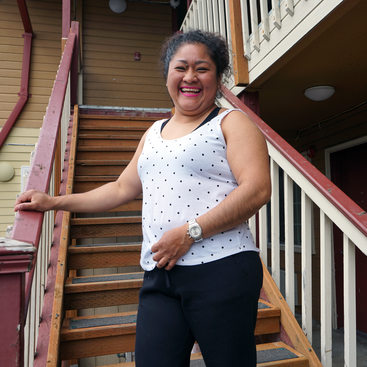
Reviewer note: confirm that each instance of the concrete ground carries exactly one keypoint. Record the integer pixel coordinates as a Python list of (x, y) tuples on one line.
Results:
[(338, 346)]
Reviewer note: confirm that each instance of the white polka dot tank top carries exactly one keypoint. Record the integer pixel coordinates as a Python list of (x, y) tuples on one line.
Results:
[(182, 179)]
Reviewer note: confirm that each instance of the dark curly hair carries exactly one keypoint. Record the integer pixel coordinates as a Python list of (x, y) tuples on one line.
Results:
[(215, 44)]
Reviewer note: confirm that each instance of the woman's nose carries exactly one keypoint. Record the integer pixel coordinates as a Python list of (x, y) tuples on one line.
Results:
[(190, 75)]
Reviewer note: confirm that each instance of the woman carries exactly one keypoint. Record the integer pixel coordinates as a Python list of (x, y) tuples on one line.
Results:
[(202, 173)]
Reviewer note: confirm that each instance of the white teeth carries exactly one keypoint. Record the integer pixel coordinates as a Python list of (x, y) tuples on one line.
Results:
[(193, 90)]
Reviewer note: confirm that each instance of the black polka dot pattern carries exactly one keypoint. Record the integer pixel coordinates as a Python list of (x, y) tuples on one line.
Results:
[(182, 179)]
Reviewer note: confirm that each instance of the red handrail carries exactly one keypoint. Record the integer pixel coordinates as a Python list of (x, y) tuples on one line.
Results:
[(24, 83), (337, 197), (28, 225)]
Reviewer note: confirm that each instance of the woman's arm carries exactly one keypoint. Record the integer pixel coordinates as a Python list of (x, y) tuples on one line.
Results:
[(127, 187), (248, 159)]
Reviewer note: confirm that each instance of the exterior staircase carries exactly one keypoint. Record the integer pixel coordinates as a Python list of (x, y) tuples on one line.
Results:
[(104, 277)]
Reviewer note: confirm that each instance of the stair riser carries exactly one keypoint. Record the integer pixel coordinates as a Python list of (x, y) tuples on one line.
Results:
[(78, 301), (109, 142), (103, 260), (90, 185), (106, 230), (106, 123), (113, 130), (97, 346), (110, 343), (96, 170), (104, 155)]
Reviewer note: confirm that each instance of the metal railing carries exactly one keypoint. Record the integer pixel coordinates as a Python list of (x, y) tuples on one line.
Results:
[(335, 209), (32, 231)]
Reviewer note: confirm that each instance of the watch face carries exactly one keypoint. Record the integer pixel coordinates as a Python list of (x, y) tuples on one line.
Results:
[(195, 231)]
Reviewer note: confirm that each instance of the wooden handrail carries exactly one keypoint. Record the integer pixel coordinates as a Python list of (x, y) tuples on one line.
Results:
[(24, 81), (333, 194)]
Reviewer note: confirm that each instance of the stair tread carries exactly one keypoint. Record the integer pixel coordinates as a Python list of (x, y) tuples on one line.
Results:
[(109, 162), (268, 354), (117, 319), (101, 247), (109, 136), (105, 278), (105, 220), (105, 148)]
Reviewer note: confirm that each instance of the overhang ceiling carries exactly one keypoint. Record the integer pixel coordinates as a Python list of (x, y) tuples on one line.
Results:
[(333, 54)]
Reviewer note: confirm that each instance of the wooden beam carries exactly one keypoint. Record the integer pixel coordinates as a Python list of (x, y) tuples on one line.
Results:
[(240, 65)]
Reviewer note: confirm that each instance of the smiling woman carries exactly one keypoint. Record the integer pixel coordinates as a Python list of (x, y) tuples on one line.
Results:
[(202, 174)]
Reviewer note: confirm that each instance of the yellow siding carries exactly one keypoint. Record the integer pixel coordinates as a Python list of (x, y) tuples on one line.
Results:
[(46, 23), (45, 17), (111, 76), (16, 151)]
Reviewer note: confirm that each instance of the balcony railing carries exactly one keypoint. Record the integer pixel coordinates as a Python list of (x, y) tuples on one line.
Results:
[(259, 32), (26, 259), (335, 208)]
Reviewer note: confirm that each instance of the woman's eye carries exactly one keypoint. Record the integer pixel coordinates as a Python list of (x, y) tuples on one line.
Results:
[(180, 68), (202, 69)]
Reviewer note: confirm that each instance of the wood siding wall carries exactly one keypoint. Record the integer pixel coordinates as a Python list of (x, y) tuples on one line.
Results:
[(111, 76), (45, 17)]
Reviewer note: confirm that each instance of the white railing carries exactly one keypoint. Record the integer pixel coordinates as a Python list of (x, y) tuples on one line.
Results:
[(318, 198), (269, 27), (35, 304), (311, 201), (38, 289)]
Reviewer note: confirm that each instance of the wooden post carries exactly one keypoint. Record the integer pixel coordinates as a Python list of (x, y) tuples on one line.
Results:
[(65, 32), (13, 266), (240, 65)]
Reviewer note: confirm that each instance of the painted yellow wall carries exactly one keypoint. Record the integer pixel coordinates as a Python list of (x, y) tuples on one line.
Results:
[(16, 152), (111, 76), (46, 23)]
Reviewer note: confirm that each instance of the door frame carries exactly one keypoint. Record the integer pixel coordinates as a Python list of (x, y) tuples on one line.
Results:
[(328, 152)]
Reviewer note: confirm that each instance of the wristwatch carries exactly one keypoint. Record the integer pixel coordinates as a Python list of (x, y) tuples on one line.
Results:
[(194, 231)]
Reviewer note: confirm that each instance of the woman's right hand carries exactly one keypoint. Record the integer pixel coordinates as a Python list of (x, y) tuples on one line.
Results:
[(33, 200)]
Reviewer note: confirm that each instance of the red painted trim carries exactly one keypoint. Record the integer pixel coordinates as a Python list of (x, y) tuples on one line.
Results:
[(74, 67), (23, 94), (25, 16), (65, 18), (337, 197)]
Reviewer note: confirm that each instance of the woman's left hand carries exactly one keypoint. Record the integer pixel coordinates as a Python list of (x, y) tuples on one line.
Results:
[(172, 245)]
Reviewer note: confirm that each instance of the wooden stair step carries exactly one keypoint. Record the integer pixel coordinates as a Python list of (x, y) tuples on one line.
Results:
[(107, 255), (276, 354), (268, 318), (87, 183), (106, 148), (108, 139), (105, 152), (91, 129), (102, 290), (82, 336), (90, 336), (105, 227), (101, 167)]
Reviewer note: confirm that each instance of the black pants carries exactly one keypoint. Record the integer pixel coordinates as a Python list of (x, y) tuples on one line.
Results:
[(213, 303)]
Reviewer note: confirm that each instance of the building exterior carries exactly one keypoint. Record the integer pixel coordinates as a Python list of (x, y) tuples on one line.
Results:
[(279, 49)]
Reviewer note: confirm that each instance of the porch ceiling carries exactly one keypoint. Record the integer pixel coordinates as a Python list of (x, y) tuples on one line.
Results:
[(334, 54)]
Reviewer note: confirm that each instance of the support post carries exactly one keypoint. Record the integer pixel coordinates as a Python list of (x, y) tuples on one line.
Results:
[(14, 263)]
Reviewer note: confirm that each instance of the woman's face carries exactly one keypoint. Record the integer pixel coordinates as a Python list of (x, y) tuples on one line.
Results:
[(192, 79)]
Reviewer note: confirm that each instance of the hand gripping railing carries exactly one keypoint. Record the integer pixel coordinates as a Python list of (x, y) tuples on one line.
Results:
[(24, 259), (335, 208)]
